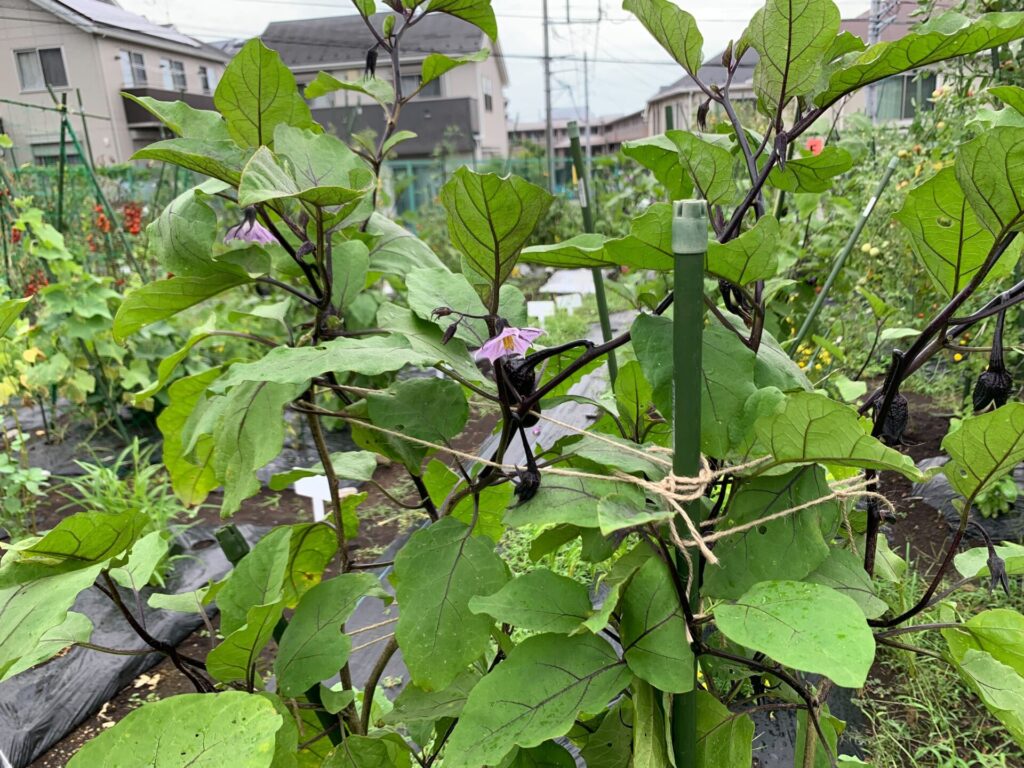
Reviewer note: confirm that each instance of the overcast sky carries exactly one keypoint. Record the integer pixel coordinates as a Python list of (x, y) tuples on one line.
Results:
[(617, 45)]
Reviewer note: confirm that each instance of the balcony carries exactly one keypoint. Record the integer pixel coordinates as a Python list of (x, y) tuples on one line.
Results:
[(436, 122), (138, 117)]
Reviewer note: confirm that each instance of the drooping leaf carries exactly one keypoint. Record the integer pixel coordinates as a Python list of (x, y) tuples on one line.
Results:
[(751, 256), (235, 657), (313, 647), (539, 600), (946, 234), (76, 628), (435, 575), (844, 572), (222, 159), (436, 64), (192, 476), (162, 299), (806, 626), (723, 739), (984, 448), (814, 173), (9, 311), (535, 695), (809, 427), (649, 242), (945, 36), (376, 88), (674, 29), (653, 630), (998, 632), (586, 250), (490, 219), (184, 119), (650, 737), (999, 686), (990, 169), (85, 539), (257, 93), (145, 556), (201, 730), (660, 155), (792, 38), (31, 610), (184, 234), (788, 548), (249, 434)]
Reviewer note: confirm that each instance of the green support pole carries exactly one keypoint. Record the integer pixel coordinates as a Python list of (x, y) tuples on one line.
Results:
[(63, 161), (689, 243), (588, 227), (840, 261)]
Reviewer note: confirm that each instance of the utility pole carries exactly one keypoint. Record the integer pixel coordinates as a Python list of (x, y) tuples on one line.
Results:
[(882, 14), (549, 137)]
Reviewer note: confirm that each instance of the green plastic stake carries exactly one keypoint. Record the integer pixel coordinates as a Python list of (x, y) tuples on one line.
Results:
[(689, 244), (588, 227), (232, 543), (840, 261), (63, 162)]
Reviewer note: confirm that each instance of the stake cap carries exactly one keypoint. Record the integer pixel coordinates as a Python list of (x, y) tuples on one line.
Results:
[(574, 130), (690, 227)]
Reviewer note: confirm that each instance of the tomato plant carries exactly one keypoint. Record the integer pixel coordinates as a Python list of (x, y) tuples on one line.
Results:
[(767, 604)]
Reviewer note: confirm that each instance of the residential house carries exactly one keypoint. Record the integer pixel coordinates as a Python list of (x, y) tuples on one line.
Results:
[(606, 134), (91, 51), (461, 115), (896, 98)]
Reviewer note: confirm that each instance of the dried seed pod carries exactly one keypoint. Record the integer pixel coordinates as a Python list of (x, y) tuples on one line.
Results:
[(449, 332), (896, 419), (702, 115), (994, 385)]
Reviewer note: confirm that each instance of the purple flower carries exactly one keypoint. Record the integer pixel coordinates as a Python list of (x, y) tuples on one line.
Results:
[(250, 230), (511, 341)]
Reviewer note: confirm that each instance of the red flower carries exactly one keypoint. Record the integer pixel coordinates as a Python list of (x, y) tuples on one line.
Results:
[(815, 144)]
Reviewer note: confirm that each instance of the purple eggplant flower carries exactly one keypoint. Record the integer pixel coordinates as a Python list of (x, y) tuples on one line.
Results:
[(511, 341), (250, 230)]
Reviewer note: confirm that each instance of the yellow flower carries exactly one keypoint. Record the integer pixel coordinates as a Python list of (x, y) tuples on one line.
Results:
[(802, 364), (957, 357)]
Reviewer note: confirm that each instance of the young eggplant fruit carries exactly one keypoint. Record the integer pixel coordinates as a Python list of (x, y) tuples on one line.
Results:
[(994, 385)]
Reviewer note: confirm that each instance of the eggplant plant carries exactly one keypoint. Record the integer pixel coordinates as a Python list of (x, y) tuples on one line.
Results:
[(747, 585)]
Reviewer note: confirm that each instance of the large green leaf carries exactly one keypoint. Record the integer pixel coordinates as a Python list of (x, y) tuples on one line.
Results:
[(377, 89), (257, 93), (9, 311), (477, 12), (248, 435), (145, 556), (350, 264), (674, 29), (649, 242), (788, 548), (185, 120), (984, 448), (792, 38), (998, 632), (944, 37), (844, 572), (660, 155), (436, 64), (310, 549), (436, 574), (990, 168), (415, 705), (426, 340), (29, 611), (946, 234), (806, 626), (650, 739), (490, 219), (429, 289), (611, 745), (370, 752), (709, 163), (200, 730), (539, 600), (222, 159), (814, 173), (586, 250), (1000, 687), (749, 257), (235, 657), (192, 476), (535, 695), (653, 630), (724, 740), (85, 539), (76, 628), (809, 427), (574, 501), (184, 234), (162, 299), (396, 251), (316, 168), (974, 562), (615, 581), (366, 355), (258, 579), (313, 647)]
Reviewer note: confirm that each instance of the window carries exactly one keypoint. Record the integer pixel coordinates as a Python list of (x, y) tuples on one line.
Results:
[(902, 96), (174, 74), (133, 69), (205, 80), (41, 67), (488, 95), (411, 82), (48, 153)]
